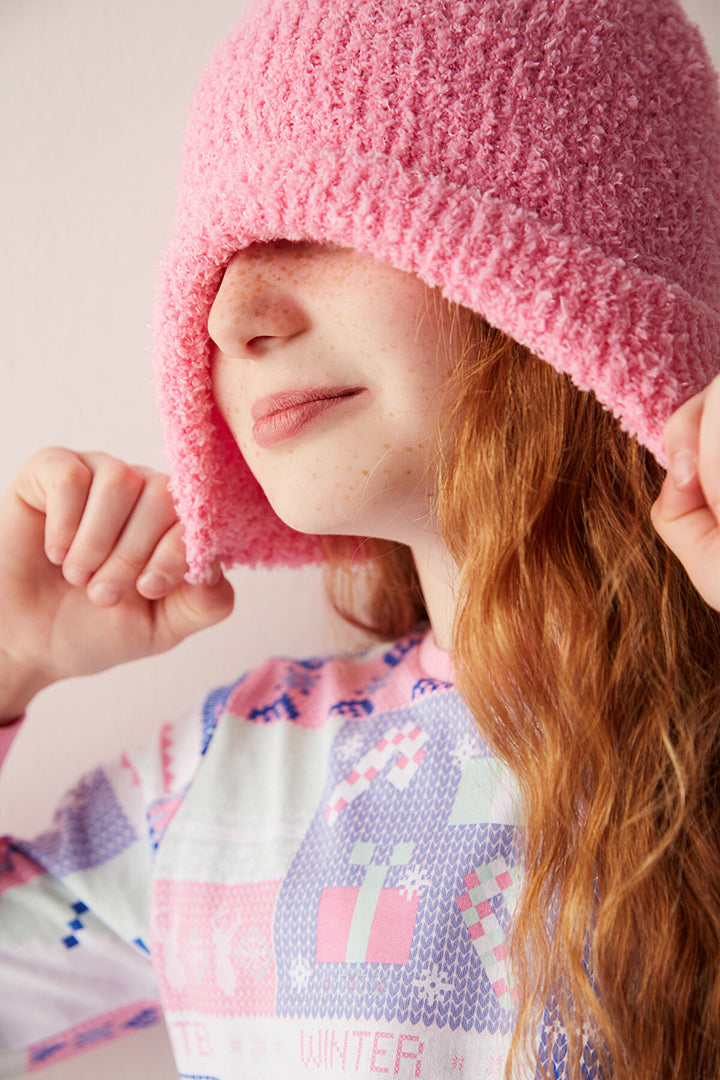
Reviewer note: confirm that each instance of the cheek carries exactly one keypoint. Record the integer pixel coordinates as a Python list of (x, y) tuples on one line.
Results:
[(230, 398), (372, 481), (228, 393)]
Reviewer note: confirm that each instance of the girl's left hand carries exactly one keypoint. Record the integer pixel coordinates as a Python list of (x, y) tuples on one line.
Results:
[(687, 512)]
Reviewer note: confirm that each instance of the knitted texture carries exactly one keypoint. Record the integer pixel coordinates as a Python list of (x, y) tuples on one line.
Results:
[(552, 164)]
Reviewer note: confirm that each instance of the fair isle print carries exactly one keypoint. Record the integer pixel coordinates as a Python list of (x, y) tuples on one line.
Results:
[(160, 814), (75, 924), (213, 708), (212, 947), (88, 829), (490, 895), (95, 1032), (397, 653), (278, 690), (379, 1051), (161, 811), (553, 1051), (428, 686), (393, 852), (401, 746), (310, 692), (285, 1049)]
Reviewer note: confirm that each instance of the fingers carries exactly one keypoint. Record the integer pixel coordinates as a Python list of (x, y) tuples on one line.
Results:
[(114, 491), (683, 493), (146, 552), (165, 567), (709, 455), (692, 445), (65, 497), (687, 513), (110, 526), (190, 608)]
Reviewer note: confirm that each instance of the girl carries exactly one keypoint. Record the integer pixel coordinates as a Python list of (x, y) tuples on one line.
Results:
[(440, 276)]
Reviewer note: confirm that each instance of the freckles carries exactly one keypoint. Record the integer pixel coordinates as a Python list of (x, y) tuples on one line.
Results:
[(248, 450)]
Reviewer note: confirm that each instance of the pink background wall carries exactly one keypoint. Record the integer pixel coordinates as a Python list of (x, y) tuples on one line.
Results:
[(94, 95)]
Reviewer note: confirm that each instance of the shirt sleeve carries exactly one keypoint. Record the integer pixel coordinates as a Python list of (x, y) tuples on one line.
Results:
[(75, 964)]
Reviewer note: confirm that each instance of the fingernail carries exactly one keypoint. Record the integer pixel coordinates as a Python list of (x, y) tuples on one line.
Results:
[(152, 583), (683, 468), (213, 574), (103, 594)]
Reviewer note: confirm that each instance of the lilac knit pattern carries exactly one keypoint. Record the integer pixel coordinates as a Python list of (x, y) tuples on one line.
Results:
[(552, 164), (407, 858)]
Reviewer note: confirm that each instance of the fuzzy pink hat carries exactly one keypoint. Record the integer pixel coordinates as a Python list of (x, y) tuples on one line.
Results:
[(551, 164)]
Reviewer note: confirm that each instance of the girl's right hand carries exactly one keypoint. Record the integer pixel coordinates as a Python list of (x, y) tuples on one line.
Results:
[(92, 567)]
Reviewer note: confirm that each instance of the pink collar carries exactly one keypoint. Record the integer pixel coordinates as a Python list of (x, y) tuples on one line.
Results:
[(434, 660)]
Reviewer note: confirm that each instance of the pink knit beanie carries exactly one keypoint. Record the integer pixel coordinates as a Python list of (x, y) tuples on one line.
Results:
[(551, 164)]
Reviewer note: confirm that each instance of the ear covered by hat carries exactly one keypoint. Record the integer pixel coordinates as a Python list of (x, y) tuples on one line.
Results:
[(552, 164)]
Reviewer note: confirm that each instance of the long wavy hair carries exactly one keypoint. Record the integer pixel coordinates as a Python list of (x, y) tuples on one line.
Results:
[(592, 669)]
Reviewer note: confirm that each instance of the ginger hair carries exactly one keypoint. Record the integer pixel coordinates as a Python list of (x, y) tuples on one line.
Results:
[(591, 667)]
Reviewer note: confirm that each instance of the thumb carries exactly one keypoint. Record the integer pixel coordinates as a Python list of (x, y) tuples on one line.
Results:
[(682, 493), (190, 608), (683, 514)]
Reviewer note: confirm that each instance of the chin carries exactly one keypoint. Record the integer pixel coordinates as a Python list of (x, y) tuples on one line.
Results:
[(349, 514), (308, 519)]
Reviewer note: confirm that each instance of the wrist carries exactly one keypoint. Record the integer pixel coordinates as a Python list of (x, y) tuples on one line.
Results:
[(18, 686)]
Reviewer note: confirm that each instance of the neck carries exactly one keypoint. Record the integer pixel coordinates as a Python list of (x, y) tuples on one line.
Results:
[(439, 580)]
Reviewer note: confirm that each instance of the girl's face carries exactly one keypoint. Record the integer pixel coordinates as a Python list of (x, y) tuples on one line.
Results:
[(329, 369)]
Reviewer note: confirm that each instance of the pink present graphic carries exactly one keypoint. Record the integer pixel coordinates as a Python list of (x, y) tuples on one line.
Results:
[(367, 924)]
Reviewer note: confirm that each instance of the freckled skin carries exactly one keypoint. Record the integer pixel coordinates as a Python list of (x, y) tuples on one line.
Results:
[(290, 316)]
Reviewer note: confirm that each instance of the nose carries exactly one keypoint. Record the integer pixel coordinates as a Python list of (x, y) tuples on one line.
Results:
[(256, 309)]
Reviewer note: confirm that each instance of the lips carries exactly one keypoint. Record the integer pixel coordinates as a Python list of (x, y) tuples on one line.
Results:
[(283, 416)]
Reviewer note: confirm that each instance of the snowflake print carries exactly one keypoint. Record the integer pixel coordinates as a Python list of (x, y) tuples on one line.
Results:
[(412, 884), (253, 952), (298, 679), (465, 749), (377, 683), (458, 1062), (494, 1067), (195, 955), (351, 747), (431, 985), (300, 973)]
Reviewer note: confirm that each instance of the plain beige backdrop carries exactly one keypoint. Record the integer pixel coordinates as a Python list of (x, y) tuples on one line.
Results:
[(94, 95)]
